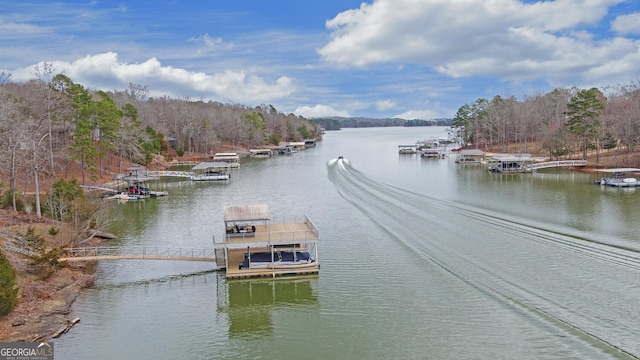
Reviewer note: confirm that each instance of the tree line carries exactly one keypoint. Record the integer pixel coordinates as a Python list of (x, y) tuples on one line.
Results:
[(50, 121), (338, 122), (566, 123)]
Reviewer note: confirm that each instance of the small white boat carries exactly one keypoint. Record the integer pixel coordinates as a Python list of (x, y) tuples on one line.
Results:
[(618, 177), (620, 182), (122, 197), (276, 260)]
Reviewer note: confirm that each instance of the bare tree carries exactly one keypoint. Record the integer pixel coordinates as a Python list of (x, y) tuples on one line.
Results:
[(4, 77), (44, 74), (35, 148), (13, 135)]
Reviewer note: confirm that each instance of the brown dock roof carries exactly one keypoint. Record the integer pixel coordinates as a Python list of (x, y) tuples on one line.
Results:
[(259, 212)]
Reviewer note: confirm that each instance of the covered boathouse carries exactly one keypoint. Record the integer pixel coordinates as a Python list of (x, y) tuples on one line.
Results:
[(256, 246)]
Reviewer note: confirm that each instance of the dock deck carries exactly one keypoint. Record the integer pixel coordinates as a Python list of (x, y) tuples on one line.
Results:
[(289, 235)]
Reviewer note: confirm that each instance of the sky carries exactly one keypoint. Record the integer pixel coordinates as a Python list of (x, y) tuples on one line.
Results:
[(410, 59)]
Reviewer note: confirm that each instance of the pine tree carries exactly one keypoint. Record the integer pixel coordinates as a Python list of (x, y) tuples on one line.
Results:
[(8, 288)]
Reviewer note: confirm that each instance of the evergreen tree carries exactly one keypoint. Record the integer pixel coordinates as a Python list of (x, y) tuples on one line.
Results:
[(584, 111), (83, 109), (8, 288), (107, 121)]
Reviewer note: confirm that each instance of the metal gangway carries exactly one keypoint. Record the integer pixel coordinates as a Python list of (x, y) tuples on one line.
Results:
[(136, 253), (551, 164), (170, 173)]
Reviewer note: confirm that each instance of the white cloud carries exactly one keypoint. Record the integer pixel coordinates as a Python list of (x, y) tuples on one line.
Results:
[(211, 42), (615, 70), (319, 111), (509, 39), (11, 30), (418, 115), (627, 24), (384, 105), (105, 71)]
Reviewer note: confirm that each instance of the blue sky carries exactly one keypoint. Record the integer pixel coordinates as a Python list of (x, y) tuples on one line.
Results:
[(413, 59)]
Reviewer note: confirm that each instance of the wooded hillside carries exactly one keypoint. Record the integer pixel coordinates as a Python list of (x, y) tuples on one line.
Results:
[(565, 123), (49, 123)]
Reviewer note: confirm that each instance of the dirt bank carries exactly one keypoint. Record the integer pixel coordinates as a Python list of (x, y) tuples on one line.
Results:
[(45, 306), (45, 296)]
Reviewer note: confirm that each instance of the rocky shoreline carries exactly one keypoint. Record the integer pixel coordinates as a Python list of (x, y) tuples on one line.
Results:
[(45, 296), (45, 306)]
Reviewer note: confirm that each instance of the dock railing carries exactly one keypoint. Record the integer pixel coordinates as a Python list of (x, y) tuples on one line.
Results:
[(304, 235), (313, 226), (292, 236), (139, 252), (560, 163)]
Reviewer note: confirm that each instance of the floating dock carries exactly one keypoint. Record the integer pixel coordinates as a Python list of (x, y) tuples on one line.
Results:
[(249, 230)]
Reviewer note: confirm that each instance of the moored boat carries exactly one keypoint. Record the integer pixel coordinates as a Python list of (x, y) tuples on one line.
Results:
[(276, 259), (617, 177)]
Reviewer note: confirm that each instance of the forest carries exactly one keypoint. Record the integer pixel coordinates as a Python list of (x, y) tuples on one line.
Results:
[(50, 122), (565, 123)]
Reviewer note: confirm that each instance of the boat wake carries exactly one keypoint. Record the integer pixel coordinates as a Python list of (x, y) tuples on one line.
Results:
[(554, 275)]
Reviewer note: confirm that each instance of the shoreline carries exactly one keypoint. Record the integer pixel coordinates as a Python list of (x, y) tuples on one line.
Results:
[(46, 295), (45, 308)]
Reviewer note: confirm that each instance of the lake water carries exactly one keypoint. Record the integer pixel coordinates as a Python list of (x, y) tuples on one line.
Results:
[(420, 259)]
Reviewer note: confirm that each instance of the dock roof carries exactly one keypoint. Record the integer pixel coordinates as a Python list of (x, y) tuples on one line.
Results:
[(210, 164), (617, 170), (136, 168), (512, 158), (259, 212)]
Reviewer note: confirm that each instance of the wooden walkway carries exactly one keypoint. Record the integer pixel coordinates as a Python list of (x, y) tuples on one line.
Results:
[(101, 188), (171, 173), (561, 163), (137, 253)]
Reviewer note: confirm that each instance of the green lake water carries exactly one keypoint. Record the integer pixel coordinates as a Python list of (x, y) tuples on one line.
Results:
[(420, 259)]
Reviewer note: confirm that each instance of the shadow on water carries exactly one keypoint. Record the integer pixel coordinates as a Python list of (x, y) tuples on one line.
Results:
[(556, 276), (250, 304), (168, 279)]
